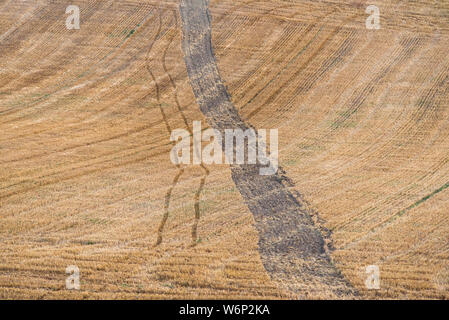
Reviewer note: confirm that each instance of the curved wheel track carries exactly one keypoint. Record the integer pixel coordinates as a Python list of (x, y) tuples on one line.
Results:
[(290, 245)]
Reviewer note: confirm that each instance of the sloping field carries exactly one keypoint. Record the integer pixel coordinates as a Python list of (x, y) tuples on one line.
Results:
[(85, 173)]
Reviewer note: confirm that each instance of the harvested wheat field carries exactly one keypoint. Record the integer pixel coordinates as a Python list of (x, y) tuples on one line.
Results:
[(86, 178)]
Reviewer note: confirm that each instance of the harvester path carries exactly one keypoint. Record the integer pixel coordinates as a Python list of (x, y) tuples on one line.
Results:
[(291, 246)]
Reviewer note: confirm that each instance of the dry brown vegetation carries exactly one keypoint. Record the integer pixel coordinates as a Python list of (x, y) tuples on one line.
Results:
[(85, 117)]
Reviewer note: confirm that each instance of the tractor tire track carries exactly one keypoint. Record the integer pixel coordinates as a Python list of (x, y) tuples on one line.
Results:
[(291, 246), (184, 118), (178, 176), (167, 125)]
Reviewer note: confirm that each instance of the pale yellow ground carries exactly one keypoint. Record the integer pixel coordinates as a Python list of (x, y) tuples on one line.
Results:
[(363, 119)]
